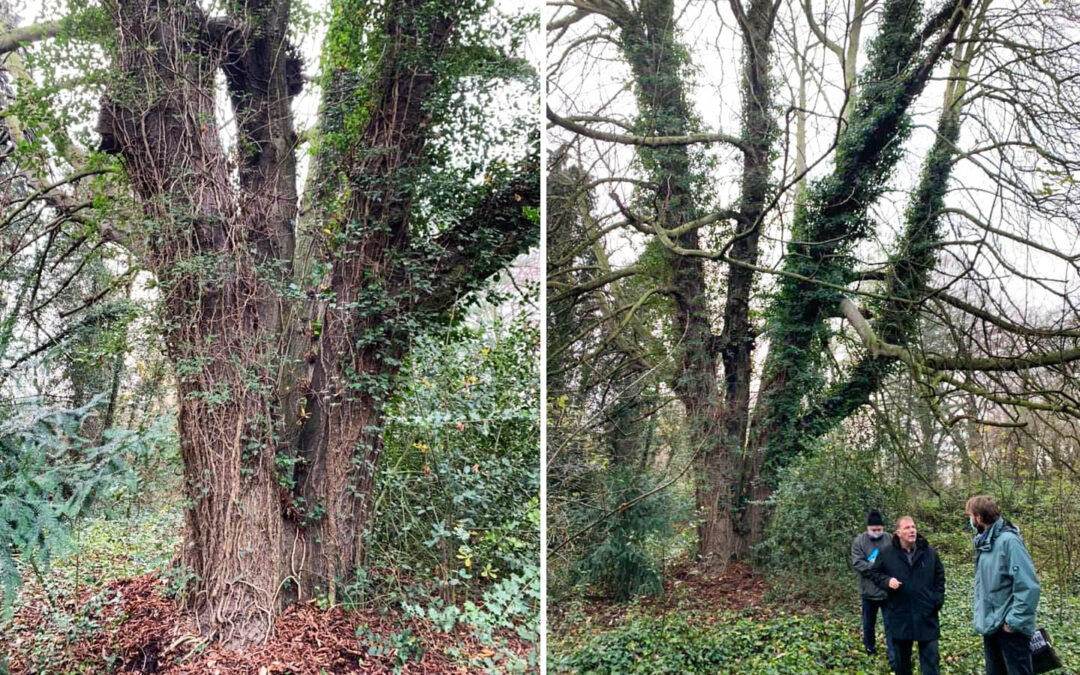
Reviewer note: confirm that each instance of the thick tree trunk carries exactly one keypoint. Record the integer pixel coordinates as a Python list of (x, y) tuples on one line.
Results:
[(791, 413), (648, 42), (718, 541), (219, 322), (233, 512), (338, 452), (282, 392), (357, 340), (324, 539)]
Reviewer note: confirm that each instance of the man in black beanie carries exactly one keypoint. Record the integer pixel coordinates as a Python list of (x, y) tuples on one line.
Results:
[(865, 550)]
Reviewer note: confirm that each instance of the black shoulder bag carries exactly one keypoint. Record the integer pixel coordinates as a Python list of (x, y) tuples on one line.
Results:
[(1043, 657)]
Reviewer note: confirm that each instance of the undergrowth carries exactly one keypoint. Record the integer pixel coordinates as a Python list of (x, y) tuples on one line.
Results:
[(67, 603), (780, 638)]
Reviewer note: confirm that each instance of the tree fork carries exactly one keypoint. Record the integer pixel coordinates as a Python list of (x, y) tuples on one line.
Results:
[(281, 397), (833, 218)]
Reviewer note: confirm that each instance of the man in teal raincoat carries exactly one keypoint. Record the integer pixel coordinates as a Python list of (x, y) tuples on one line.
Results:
[(1006, 590)]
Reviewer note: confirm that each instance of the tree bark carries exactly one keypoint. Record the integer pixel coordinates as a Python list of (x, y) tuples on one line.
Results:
[(649, 45), (282, 392), (219, 321), (738, 335), (717, 410)]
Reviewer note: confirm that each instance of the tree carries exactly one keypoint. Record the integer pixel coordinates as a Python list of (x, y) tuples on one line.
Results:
[(817, 259), (287, 319)]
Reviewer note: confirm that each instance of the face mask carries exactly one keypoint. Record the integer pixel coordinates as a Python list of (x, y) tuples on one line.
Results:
[(971, 522), (878, 535)]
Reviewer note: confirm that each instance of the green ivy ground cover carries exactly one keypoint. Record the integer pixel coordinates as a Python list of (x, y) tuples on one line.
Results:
[(783, 640)]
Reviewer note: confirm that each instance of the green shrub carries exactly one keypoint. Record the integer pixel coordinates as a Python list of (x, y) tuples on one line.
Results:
[(457, 505), (720, 643), (820, 506)]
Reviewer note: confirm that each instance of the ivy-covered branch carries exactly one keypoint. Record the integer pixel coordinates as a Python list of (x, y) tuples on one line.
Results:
[(881, 349), (593, 283), (615, 10), (1001, 321), (907, 278), (1003, 363), (505, 224), (833, 218), (378, 114)]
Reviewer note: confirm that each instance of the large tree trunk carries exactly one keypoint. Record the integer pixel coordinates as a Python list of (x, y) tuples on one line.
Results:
[(282, 392), (340, 446), (358, 344), (219, 321), (650, 47), (738, 334), (717, 410), (233, 513)]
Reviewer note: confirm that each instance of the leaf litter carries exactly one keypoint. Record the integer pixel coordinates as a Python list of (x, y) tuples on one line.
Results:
[(140, 630)]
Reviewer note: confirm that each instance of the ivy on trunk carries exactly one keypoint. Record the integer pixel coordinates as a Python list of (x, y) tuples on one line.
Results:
[(286, 330)]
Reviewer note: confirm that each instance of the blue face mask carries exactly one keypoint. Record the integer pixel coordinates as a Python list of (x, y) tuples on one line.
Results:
[(876, 535)]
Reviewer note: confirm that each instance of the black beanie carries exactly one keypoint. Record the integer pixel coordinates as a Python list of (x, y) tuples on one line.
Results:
[(874, 518)]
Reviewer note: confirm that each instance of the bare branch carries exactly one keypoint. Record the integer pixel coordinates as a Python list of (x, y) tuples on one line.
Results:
[(647, 141)]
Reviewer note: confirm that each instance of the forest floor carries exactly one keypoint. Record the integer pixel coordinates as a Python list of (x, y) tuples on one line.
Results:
[(142, 631), (746, 622), (686, 588), (109, 609)]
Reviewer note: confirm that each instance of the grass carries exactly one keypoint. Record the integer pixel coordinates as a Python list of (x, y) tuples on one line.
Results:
[(108, 549)]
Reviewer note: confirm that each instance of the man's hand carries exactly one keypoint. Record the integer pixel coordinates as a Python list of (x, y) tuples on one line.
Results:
[(895, 583), (1005, 627)]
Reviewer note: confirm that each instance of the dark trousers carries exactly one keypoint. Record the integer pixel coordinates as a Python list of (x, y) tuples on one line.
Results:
[(1007, 654), (928, 657), (869, 624)]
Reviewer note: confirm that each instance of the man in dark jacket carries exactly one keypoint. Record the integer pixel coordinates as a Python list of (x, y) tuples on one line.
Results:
[(1006, 590), (865, 550), (911, 573)]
